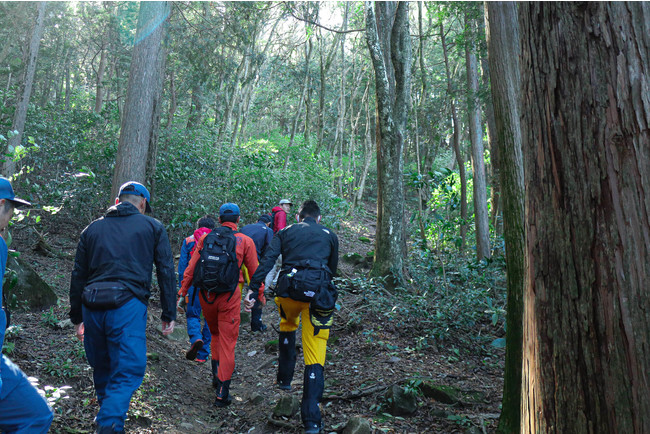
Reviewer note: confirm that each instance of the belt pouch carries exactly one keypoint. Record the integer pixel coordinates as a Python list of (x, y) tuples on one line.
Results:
[(105, 295)]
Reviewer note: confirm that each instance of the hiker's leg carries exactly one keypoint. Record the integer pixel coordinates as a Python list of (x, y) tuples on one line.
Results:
[(97, 350), (211, 315), (207, 340), (127, 346), (289, 320), (22, 408), (314, 346), (193, 315), (314, 349), (229, 319)]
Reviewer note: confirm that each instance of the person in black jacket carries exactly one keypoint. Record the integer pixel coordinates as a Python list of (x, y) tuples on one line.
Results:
[(312, 250), (261, 235), (109, 293)]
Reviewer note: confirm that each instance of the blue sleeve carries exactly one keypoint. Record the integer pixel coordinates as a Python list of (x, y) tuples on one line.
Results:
[(4, 250), (186, 248), (166, 277), (78, 281)]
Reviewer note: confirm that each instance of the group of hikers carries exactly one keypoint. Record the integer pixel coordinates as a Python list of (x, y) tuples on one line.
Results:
[(219, 266)]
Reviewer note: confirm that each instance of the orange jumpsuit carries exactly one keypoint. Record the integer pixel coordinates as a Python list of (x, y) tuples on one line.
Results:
[(222, 311)]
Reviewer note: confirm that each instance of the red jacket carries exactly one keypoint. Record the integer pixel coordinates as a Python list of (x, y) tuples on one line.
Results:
[(280, 219), (246, 255)]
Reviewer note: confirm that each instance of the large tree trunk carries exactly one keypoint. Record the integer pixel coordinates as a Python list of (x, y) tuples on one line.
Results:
[(141, 109), (503, 51), (476, 138), (460, 159), (585, 87), (387, 33), (20, 116)]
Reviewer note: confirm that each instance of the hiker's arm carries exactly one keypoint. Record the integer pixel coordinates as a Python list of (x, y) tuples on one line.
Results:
[(267, 263), (166, 275), (183, 261), (78, 281), (333, 261), (188, 275)]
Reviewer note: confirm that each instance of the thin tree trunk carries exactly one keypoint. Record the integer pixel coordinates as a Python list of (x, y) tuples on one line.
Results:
[(456, 145), (585, 126), (296, 117), (99, 96), (325, 65), (227, 118), (20, 116), (493, 168), (139, 126), (67, 89), (481, 223), (172, 100), (503, 53)]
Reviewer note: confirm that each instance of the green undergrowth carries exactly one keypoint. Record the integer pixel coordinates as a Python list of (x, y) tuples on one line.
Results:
[(450, 302), (68, 164)]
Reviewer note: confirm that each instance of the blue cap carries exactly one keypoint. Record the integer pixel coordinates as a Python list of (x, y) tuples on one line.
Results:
[(265, 218), (228, 209), (136, 189), (7, 192)]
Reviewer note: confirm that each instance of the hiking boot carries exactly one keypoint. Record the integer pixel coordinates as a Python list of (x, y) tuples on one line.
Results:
[(200, 360), (313, 428), (223, 396), (108, 430), (261, 327), (194, 350), (215, 369)]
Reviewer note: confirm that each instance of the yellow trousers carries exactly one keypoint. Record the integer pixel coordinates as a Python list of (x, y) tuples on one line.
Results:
[(314, 347)]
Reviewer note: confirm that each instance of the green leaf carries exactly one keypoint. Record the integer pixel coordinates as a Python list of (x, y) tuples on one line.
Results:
[(499, 343)]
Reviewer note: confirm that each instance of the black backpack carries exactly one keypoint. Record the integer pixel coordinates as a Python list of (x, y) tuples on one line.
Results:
[(217, 270), (272, 214)]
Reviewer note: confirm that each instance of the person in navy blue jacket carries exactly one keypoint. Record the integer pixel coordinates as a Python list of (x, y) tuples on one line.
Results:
[(262, 236), (109, 294), (200, 337), (22, 409)]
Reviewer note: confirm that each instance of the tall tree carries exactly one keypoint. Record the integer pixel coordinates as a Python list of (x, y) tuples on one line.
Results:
[(586, 127), (503, 56), (140, 112), (20, 116), (389, 42), (460, 158), (476, 138)]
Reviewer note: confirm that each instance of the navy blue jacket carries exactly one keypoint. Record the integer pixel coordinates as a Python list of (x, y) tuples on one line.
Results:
[(300, 241), (122, 247), (261, 235)]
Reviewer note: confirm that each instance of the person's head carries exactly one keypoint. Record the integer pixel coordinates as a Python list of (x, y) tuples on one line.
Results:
[(286, 205), (136, 194), (206, 222), (264, 218), (229, 212), (309, 208), (8, 202)]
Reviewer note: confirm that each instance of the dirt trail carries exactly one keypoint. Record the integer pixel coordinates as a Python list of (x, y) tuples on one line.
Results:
[(365, 353)]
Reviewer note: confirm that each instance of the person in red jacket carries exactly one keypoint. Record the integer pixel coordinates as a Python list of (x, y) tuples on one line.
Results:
[(222, 311), (279, 214)]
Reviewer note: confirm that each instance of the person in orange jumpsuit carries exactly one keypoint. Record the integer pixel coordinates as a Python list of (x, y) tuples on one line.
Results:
[(222, 311)]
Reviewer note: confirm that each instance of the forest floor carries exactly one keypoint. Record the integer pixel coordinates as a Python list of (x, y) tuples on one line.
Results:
[(367, 353)]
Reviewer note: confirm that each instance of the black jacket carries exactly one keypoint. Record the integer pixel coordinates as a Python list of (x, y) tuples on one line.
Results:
[(122, 247), (300, 241)]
